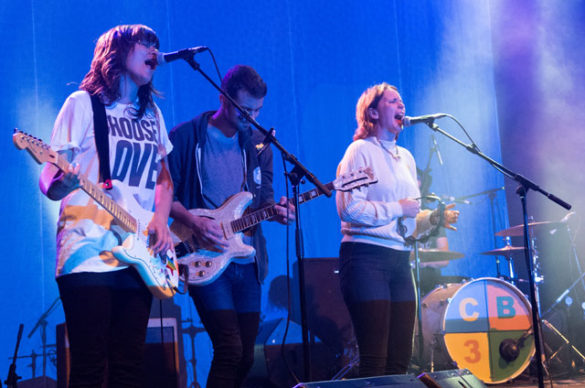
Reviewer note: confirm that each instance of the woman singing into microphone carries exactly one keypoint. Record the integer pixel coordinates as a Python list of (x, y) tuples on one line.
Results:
[(375, 273)]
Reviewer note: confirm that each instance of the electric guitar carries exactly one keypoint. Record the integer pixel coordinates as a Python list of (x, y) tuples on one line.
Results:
[(205, 264), (159, 272)]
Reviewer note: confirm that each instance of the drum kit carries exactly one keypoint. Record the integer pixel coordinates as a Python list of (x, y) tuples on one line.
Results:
[(484, 325)]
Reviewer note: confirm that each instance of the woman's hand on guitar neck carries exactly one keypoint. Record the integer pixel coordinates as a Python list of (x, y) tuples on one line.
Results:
[(57, 184)]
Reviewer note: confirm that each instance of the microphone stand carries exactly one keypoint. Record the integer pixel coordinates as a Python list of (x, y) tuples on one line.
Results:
[(12, 379), (491, 193), (522, 190), (297, 174)]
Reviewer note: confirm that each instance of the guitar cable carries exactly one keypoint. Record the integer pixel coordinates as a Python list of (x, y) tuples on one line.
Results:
[(288, 288), (162, 340)]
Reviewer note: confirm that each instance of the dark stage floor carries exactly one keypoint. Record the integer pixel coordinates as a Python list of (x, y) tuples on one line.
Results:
[(574, 381)]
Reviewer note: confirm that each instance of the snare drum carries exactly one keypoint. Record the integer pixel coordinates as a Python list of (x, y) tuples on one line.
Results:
[(464, 325)]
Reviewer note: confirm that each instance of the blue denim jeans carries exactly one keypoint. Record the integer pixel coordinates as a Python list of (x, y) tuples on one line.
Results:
[(378, 288), (237, 289), (229, 308)]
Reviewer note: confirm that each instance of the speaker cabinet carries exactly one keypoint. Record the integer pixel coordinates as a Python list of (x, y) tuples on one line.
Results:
[(38, 382), (327, 314), (272, 362), (394, 381), (161, 356), (455, 378)]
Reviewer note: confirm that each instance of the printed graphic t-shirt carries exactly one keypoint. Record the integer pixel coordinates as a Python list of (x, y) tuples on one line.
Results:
[(136, 147)]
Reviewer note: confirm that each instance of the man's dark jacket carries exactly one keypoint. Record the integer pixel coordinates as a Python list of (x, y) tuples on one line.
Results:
[(188, 140)]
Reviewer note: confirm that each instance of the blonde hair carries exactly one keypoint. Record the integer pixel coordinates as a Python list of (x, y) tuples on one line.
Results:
[(369, 99)]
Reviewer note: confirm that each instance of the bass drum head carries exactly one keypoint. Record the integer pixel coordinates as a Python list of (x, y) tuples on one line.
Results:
[(479, 316), (433, 306)]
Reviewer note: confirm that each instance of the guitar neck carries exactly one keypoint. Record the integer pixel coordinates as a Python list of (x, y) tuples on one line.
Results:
[(122, 217), (268, 212)]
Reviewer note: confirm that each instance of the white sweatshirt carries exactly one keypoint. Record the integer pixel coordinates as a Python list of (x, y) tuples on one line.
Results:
[(370, 214)]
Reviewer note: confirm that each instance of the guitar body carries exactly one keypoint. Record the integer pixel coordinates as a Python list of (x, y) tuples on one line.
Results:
[(159, 273), (207, 263)]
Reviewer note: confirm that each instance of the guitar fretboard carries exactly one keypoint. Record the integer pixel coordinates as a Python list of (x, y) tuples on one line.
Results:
[(123, 218), (268, 212)]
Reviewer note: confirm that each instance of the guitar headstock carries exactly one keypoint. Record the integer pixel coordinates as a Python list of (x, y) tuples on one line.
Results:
[(354, 179), (40, 151)]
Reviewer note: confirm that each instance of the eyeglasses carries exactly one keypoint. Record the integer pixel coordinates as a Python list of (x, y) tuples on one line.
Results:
[(251, 111), (147, 44)]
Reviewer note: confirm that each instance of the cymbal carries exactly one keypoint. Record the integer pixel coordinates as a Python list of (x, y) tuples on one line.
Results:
[(430, 255), (518, 230), (505, 251)]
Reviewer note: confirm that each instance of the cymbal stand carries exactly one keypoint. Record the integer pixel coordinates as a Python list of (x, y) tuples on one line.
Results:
[(492, 197), (566, 342), (536, 273), (579, 279), (512, 276)]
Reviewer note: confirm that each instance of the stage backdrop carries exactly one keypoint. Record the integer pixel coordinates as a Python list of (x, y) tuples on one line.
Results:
[(316, 57)]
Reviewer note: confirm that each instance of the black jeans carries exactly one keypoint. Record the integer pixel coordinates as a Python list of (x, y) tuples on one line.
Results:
[(378, 288), (229, 308), (106, 315)]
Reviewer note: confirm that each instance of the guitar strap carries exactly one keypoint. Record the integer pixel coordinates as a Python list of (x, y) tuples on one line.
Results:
[(100, 128)]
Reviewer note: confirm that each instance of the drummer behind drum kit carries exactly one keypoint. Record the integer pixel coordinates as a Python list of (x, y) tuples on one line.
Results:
[(483, 325)]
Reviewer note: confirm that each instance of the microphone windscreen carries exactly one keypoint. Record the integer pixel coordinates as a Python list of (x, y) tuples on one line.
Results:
[(160, 58)]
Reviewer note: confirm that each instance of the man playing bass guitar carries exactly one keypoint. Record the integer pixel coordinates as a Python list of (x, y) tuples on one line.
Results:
[(215, 157)]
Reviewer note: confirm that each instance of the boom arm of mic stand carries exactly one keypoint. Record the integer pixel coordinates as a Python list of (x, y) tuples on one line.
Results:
[(44, 316), (269, 134), (527, 183)]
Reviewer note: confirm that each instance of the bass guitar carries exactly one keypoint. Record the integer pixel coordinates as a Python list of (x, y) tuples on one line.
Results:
[(205, 263)]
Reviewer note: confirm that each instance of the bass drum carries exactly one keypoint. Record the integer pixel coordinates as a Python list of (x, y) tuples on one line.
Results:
[(464, 325)]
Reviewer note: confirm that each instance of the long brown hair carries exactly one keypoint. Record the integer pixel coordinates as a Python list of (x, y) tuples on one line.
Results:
[(109, 65), (369, 99)]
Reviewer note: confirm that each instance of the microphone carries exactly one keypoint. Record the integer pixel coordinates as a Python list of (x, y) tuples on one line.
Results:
[(510, 348), (426, 119), (163, 58)]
